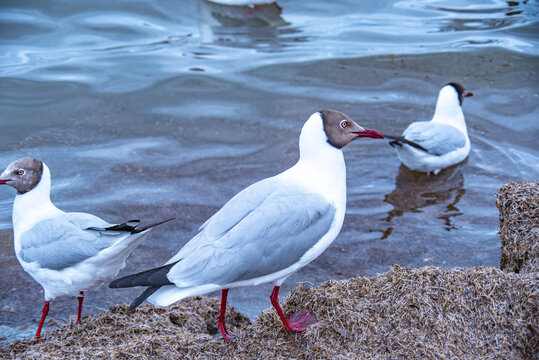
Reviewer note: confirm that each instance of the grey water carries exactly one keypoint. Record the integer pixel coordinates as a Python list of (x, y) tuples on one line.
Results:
[(153, 109)]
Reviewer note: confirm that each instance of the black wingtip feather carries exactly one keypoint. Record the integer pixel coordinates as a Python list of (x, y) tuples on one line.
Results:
[(399, 140), (152, 277), (137, 230), (130, 226), (143, 296)]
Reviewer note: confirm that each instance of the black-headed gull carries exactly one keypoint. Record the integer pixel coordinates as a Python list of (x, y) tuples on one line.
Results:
[(67, 253), (267, 231), (431, 146)]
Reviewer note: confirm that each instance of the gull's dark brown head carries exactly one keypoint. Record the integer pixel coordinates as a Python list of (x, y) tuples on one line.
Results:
[(22, 174), (341, 130), (460, 91)]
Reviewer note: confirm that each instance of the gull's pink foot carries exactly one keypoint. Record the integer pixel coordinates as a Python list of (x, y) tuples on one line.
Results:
[(300, 321), (296, 322), (228, 335)]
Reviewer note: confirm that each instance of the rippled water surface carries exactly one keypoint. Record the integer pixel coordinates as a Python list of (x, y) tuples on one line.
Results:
[(152, 109)]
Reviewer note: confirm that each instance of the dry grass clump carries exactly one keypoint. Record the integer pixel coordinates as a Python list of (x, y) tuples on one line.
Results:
[(427, 313), (519, 226), (182, 331)]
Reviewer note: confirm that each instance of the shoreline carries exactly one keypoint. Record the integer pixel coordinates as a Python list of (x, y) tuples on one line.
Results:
[(426, 312)]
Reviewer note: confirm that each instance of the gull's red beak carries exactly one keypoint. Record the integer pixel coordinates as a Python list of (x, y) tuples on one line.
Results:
[(468, 94), (369, 133), (2, 181)]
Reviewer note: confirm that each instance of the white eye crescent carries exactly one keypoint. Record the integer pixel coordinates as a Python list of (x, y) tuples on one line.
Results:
[(343, 123)]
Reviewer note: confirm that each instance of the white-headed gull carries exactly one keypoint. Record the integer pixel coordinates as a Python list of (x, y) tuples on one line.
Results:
[(431, 146), (67, 253), (267, 231)]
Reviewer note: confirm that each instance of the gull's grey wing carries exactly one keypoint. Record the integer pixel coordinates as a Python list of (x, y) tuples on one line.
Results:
[(269, 238), (237, 208), (85, 220), (439, 139), (64, 240)]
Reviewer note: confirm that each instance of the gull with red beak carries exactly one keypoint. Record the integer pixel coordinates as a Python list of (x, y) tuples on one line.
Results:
[(267, 231), (431, 146), (67, 253)]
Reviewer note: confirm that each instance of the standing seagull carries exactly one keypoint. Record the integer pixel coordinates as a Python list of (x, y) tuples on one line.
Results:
[(267, 231), (67, 253), (430, 146)]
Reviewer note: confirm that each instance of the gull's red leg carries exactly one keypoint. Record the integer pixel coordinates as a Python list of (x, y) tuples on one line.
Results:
[(45, 312), (229, 336), (80, 298), (296, 322)]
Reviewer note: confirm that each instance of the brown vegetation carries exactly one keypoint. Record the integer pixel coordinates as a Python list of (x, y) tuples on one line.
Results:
[(518, 204)]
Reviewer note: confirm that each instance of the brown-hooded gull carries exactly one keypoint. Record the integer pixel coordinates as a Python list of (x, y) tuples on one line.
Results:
[(267, 231), (66, 253), (431, 146)]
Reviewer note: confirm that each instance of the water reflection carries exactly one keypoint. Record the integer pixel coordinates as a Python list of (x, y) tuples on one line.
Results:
[(488, 18), (415, 191), (246, 25), (466, 17)]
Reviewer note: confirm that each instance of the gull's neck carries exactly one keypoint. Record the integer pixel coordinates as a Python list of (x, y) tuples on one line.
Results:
[(34, 206), (320, 166), (448, 110)]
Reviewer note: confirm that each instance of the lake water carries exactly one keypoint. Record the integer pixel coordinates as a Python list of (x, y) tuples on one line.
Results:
[(154, 109)]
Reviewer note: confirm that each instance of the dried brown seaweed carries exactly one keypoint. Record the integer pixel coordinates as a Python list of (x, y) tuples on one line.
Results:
[(405, 313), (518, 204), (185, 330), (427, 313)]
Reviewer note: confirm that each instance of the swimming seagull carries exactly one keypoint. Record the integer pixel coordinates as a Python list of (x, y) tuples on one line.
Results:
[(267, 231), (66, 253), (430, 146)]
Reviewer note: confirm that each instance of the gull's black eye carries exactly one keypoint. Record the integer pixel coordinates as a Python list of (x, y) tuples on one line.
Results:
[(343, 123), (20, 172)]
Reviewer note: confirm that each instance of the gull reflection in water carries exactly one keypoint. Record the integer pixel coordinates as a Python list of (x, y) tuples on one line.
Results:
[(239, 22), (415, 191)]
